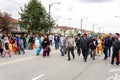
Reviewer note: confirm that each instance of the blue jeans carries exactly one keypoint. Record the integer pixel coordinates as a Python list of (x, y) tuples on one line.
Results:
[(106, 52), (51, 42), (56, 45)]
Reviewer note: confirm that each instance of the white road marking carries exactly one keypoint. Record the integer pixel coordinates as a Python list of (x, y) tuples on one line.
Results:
[(115, 70), (38, 77), (13, 61)]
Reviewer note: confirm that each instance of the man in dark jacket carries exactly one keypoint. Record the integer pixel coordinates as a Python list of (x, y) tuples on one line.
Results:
[(85, 46), (93, 44), (116, 48), (106, 46), (56, 40), (78, 44)]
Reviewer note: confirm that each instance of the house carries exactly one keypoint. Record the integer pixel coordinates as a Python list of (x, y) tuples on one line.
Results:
[(63, 29), (14, 27), (69, 30)]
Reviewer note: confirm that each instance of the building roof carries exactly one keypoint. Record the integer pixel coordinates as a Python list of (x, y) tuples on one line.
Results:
[(64, 28), (13, 20)]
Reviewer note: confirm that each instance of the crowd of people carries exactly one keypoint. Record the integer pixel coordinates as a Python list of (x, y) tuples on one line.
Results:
[(84, 44), (89, 45), (18, 43)]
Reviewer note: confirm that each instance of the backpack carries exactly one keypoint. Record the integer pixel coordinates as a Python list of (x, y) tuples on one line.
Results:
[(6, 46)]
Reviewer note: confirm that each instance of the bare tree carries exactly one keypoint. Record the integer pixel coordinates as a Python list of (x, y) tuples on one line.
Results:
[(5, 21)]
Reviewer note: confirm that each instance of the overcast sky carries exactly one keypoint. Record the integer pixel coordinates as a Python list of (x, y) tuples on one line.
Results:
[(70, 12)]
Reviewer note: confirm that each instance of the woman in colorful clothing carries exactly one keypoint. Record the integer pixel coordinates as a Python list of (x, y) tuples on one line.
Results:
[(38, 45), (6, 48), (15, 47), (21, 46), (3, 40), (10, 44), (46, 48), (101, 42), (26, 43)]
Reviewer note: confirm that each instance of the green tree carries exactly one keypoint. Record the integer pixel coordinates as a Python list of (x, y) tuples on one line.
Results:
[(34, 17)]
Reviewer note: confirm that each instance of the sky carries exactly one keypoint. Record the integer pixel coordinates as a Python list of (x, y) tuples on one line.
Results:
[(101, 13)]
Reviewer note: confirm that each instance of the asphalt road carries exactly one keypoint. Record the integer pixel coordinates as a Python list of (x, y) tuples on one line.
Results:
[(55, 67)]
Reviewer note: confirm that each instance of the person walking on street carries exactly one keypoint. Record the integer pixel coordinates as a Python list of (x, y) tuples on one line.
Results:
[(85, 46), (106, 46), (101, 44), (45, 44), (116, 48), (21, 46), (93, 44), (63, 41), (1, 46), (26, 42), (38, 45), (51, 39), (31, 41), (56, 40), (15, 47), (6, 48), (70, 47), (110, 45), (78, 44)]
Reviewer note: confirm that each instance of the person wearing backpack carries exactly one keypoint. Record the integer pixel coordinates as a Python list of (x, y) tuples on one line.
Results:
[(116, 48)]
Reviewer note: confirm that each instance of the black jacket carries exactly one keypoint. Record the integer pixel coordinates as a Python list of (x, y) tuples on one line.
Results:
[(45, 43), (93, 43), (78, 41), (85, 43), (116, 45)]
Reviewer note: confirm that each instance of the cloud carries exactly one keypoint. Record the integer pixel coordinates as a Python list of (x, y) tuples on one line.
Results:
[(95, 1), (12, 7), (70, 8)]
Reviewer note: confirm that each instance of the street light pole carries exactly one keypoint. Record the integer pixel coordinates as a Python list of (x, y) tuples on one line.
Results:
[(82, 24), (94, 27), (49, 29), (49, 19)]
